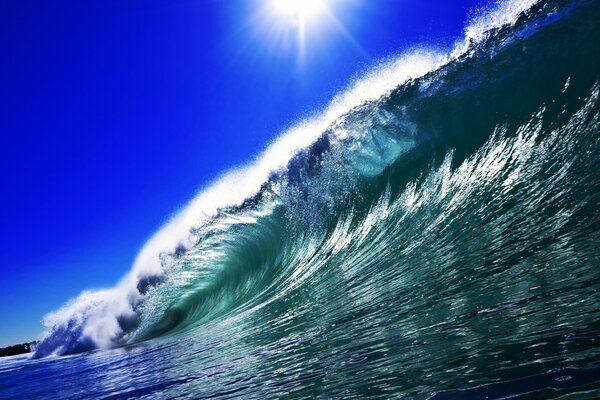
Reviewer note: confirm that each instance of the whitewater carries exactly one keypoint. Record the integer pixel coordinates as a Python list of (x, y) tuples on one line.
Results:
[(433, 233)]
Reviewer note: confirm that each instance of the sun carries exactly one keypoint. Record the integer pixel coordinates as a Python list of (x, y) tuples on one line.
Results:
[(301, 10), (300, 27)]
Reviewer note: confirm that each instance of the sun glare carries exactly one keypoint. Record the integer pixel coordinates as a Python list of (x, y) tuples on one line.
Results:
[(299, 9), (305, 22)]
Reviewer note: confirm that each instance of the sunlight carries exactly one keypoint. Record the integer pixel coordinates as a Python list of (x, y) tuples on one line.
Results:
[(302, 28), (296, 15), (299, 9)]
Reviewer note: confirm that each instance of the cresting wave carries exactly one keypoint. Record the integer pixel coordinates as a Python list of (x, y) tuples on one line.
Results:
[(421, 144)]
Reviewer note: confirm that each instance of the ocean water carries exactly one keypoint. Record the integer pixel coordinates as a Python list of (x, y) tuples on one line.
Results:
[(434, 233)]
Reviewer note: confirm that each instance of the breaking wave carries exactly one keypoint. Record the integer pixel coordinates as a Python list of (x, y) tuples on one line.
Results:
[(443, 193)]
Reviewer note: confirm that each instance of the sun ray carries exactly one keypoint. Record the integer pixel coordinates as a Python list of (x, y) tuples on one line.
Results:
[(301, 26)]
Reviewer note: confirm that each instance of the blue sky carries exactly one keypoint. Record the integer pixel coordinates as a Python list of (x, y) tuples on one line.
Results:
[(114, 113)]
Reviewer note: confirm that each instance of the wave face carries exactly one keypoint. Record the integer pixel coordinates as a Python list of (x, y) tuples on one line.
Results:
[(435, 231)]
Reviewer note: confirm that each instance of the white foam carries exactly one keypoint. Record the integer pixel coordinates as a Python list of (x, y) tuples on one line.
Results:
[(95, 312)]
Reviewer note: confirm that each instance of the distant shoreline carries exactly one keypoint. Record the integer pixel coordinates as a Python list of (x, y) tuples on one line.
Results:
[(16, 349)]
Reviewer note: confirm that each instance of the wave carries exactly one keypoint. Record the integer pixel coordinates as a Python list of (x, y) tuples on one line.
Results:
[(423, 142)]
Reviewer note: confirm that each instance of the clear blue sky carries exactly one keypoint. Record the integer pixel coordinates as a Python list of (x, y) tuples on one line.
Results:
[(114, 113)]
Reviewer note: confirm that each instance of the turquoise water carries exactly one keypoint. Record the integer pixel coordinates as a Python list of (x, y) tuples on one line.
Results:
[(440, 240)]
